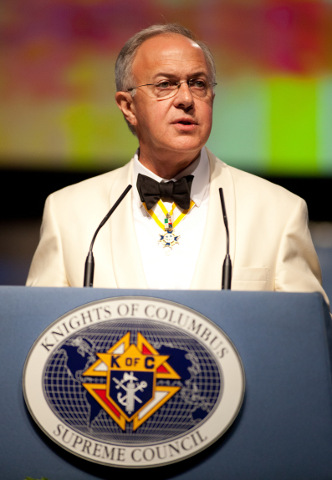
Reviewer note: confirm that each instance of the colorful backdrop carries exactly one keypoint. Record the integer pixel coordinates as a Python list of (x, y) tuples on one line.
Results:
[(273, 110)]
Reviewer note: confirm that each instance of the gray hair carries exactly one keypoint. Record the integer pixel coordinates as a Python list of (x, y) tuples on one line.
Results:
[(123, 66)]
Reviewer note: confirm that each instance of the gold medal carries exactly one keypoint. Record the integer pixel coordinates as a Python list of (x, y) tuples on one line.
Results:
[(168, 238)]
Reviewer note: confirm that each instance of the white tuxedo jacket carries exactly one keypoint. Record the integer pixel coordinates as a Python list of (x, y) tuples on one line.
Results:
[(270, 244)]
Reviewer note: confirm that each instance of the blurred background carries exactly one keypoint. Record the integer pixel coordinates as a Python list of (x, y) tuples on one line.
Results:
[(59, 123)]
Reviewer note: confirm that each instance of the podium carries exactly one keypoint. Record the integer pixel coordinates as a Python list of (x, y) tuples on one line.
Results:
[(283, 430)]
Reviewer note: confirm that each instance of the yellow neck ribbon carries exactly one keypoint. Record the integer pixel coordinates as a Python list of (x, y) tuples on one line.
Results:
[(164, 210)]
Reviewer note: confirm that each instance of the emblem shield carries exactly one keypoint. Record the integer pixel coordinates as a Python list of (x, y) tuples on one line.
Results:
[(130, 391)]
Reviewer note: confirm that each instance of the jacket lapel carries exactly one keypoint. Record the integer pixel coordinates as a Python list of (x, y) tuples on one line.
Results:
[(208, 272), (127, 264)]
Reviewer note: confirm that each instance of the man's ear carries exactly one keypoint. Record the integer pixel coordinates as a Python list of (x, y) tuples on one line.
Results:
[(125, 102)]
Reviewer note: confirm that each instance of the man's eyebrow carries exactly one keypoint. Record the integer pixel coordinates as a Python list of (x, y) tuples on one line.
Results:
[(176, 76), (165, 74)]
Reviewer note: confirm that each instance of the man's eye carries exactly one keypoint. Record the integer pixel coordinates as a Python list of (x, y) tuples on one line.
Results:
[(195, 83), (164, 85)]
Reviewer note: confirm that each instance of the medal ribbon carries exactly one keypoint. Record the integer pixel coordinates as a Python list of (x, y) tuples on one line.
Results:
[(164, 210)]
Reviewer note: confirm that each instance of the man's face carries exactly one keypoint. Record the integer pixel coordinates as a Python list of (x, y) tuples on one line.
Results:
[(176, 127)]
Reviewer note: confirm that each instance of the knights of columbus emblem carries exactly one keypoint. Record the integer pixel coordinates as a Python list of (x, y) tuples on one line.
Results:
[(131, 393)]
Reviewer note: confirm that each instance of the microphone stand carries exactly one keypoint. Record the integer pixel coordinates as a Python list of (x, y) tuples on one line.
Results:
[(90, 261), (227, 265)]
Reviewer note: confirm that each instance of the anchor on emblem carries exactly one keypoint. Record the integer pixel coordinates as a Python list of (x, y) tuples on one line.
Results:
[(130, 384)]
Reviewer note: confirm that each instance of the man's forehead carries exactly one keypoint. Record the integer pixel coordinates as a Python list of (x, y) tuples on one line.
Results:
[(169, 49), (163, 39)]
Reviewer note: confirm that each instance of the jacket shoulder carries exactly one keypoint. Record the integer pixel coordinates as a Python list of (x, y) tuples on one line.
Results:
[(95, 184), (252, 187), (88, 198)]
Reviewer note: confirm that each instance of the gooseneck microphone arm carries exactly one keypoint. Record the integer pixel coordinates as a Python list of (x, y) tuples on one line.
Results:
[(89, 267), (227, 265)]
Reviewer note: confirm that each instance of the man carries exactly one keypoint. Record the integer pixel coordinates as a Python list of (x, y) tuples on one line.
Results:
[(165, 81)]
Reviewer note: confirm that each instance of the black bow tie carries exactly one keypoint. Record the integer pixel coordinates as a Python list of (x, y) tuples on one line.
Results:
[(150, 191)]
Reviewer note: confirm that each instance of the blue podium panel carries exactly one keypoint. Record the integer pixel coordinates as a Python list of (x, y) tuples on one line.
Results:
[(284, 428)]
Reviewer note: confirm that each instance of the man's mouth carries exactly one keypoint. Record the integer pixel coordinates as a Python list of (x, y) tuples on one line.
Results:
[(184, 122)]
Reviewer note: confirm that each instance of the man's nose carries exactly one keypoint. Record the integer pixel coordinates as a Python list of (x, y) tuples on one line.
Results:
[(183, 95)]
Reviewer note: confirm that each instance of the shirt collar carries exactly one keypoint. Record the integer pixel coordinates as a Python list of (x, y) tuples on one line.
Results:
[(200, 168)]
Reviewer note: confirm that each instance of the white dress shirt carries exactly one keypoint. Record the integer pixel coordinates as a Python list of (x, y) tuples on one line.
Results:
[(164, 267)]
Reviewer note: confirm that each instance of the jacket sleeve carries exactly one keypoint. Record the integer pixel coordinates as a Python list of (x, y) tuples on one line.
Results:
[(297, 265), (47, 267)]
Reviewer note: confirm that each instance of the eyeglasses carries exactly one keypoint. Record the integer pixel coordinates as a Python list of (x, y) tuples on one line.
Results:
[(168, 88)]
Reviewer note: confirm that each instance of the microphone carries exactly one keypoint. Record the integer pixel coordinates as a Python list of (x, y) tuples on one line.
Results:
[(227, 265), (89, 267)]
